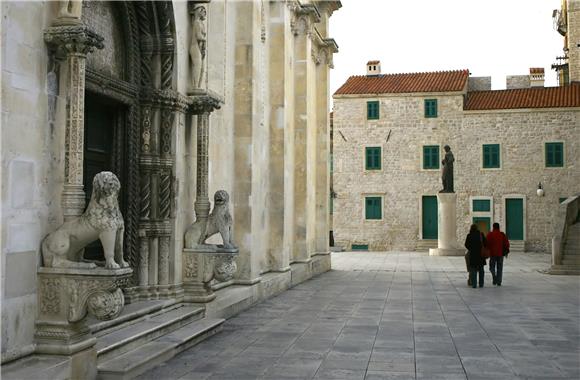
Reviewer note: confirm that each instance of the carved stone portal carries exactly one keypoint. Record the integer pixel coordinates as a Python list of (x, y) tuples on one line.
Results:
[(66, 296)]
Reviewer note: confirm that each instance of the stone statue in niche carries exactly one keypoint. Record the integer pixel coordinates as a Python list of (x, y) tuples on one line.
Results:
[(197, 49), (219, 221), (101, 220), (70, 9), (447, 174)]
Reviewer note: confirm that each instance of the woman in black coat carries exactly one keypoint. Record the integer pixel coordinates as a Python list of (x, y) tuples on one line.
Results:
[(474, 241)]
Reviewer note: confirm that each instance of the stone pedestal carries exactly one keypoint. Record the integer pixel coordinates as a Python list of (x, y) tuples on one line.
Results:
[(447, 244), (203, 264), (65, 296)]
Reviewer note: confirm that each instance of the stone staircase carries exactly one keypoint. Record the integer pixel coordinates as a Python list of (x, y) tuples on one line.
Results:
[(566, 238), (571, 253), (425, 244), (517, 246), (147, 334)]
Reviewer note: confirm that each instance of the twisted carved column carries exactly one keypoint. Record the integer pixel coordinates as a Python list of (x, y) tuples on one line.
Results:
[(72, 43)]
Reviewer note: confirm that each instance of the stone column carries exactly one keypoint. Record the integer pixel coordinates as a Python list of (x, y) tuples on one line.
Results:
[(202, 205), (246, 97), (302, 29), (72, 43), (278, 257), (447, 244)]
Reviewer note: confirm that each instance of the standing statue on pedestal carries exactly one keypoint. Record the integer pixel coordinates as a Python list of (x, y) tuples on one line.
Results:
[(197, 48), (447, 173)]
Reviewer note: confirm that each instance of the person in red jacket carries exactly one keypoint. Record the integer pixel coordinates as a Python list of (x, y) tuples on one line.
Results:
[(499, 246)]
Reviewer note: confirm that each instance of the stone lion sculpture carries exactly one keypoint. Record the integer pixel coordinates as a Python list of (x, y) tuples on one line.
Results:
[(101, 220), (219, 221)]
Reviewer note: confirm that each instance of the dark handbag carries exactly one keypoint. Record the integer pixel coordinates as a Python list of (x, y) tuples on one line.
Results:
[(467, 260)]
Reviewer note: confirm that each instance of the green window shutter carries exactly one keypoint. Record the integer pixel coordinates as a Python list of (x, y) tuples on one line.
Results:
[(431, 157), (373, 110), (491, 156), (373, 158), (560, 200), (481, 205), (373, 209), (554, 155), (360, 247), (430, 107)]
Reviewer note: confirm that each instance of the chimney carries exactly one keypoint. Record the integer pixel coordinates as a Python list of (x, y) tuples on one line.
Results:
[(373, 68), (536, 77)]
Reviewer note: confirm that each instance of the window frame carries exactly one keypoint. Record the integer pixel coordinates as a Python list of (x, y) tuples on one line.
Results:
[(365, 166), (378, 109), (428, 105), (374, 196), (423, 157), (563, 157), (499, 163)]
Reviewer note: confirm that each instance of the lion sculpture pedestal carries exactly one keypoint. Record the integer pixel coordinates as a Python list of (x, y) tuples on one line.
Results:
[(69, 288), (206, 262)]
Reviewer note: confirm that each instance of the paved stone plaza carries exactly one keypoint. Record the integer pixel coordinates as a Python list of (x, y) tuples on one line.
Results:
[(400, 315)]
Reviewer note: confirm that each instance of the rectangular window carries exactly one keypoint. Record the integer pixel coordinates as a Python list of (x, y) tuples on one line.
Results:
[(373, 208), (555, 155), (372, 110), (431, 157), (490, 156), (430, 107), (373, 158), (360, 247), (480, 205)]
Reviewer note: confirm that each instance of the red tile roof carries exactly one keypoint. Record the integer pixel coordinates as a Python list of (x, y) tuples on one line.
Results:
[(373, 62), (536, 70), (537, 97), (440, 81)]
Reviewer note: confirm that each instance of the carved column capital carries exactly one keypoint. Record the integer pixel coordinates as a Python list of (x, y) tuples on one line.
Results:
[(72, 39), (202, 101)]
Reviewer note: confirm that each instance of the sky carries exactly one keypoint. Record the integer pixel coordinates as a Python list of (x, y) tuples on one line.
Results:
[(489, 37)]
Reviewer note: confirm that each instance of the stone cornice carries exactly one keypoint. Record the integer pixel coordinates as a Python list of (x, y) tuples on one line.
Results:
[(303, 18), (72, 39), (329, 6), (165, 99), (323, 49)]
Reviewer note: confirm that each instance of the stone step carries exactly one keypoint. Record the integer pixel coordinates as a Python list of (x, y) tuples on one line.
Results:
[(135, 362), (37, 367), (568, 270), (571, 260), (517, 246), (131, 313), (134, 333), (425, 244)]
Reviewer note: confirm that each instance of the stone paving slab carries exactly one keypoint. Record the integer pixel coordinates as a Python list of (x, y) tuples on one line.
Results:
[(400, 315)]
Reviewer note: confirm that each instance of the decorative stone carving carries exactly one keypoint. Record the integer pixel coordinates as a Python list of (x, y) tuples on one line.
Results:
[(102, 220), (219, 221), (197, 49), (66, 295), (201, 268), (73, 43), (69, 12)]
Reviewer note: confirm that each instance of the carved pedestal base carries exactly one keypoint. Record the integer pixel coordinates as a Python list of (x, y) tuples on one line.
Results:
[(66, 295), (203, 264)]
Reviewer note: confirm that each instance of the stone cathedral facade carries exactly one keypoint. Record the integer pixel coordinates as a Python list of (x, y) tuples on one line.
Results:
[(179, 100)]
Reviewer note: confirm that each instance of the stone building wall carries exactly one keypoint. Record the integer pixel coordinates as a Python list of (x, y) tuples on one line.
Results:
[(258, 89), (402, 131)]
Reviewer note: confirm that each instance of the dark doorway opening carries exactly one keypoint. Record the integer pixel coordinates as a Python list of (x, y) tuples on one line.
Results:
[(103, 150)]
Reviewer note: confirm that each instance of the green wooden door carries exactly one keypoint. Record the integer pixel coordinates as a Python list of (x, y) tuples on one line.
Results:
[(429, 217), (514, 215)]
